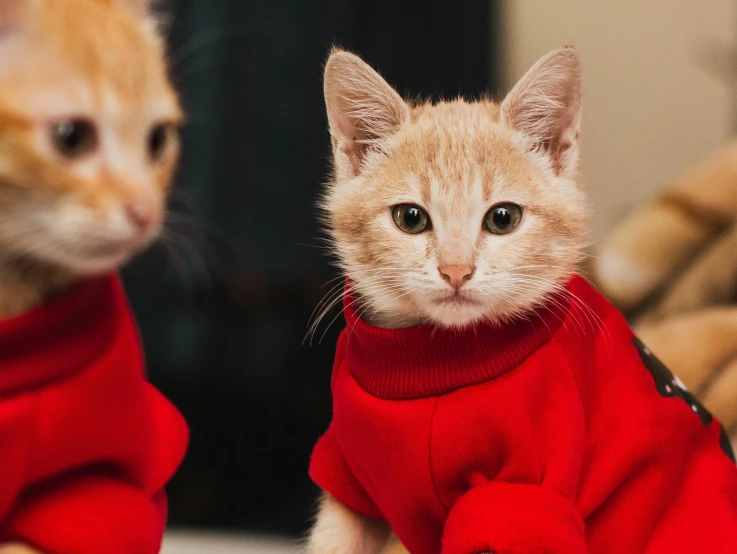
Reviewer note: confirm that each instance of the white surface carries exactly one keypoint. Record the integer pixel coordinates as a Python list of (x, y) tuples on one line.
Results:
[(196, 542), (651, 110)]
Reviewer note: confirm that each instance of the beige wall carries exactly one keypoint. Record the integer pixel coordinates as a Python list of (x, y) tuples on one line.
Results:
[(650, 110)]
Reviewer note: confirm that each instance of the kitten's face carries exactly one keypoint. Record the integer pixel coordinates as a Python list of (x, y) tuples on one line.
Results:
[(88, 132), (449, 213)]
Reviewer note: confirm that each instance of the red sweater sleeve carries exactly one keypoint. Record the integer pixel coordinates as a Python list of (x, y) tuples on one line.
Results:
[(98, 508), (330, 471), (328, 467), (85, 510), (506, 518)]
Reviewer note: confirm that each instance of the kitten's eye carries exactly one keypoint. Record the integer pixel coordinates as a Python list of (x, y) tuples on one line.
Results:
[(159, 139), (503, 218), (73, 138), (411, 219)]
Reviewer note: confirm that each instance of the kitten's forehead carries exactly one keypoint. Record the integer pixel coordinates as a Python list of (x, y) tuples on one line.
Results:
[(124, 56), (459, 113), (91, 55), (455, 151)]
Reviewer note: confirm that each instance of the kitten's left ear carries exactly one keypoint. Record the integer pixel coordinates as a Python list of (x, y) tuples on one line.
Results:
[(545, 106)]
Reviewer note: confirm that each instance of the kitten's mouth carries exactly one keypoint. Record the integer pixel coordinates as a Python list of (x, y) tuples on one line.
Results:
[(457, 299), (113, 248), (102, 256)]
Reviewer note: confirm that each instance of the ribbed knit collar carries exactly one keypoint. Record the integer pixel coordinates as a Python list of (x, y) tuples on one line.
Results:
[(62, 337), (417, 362)]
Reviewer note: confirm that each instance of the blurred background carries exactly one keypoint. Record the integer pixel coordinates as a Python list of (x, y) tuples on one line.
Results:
[(225, 303)]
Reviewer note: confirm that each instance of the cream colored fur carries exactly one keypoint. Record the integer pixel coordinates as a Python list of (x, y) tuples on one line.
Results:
[(17, 548), (340, 531)]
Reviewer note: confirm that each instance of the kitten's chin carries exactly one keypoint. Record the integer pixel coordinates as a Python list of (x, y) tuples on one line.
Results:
[(446, 311), (89, 267), (455, 312), (95, 260)]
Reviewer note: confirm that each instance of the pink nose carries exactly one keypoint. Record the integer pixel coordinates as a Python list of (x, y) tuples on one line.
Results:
[(456, 275), (141, 214)]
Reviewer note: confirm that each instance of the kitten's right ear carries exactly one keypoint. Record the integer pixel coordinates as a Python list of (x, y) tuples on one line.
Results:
[(363, 110), (545, 106)]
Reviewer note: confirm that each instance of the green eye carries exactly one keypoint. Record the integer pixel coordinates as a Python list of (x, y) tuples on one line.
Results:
[(73, 138), (411, 219), (503, 218)]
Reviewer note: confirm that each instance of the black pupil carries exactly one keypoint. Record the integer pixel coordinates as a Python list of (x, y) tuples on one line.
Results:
[(412, 218), (157, 141), (74, 137), (502, 218)]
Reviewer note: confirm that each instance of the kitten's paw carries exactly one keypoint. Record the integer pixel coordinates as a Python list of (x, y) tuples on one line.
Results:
[(17, 548)]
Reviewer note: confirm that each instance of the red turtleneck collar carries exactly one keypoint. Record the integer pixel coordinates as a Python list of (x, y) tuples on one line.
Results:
[(416, 362), (62, 337)]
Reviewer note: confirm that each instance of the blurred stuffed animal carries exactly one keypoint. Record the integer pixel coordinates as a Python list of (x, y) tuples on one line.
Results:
[(671, 266)]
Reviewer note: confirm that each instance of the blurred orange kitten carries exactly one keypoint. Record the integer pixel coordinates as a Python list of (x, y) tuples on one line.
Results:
[(88, 141), (88, 144)]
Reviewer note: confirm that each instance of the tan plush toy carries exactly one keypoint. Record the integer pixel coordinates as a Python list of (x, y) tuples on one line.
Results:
[(672, 267)]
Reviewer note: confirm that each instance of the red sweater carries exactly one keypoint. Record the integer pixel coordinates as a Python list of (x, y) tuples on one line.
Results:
[(86, 443), (557, 434)]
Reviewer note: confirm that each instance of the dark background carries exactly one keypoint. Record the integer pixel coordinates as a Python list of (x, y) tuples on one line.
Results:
[(224, 302)]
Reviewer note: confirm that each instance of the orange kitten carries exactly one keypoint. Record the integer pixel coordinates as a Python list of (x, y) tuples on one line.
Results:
[(88, 141), (459, 211), (449, 213)]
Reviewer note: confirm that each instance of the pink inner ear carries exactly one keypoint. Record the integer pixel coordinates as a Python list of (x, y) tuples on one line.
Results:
[(545, 106), (363, 109), (353, 139), (549, 124), (346, 128), (351, 144)]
